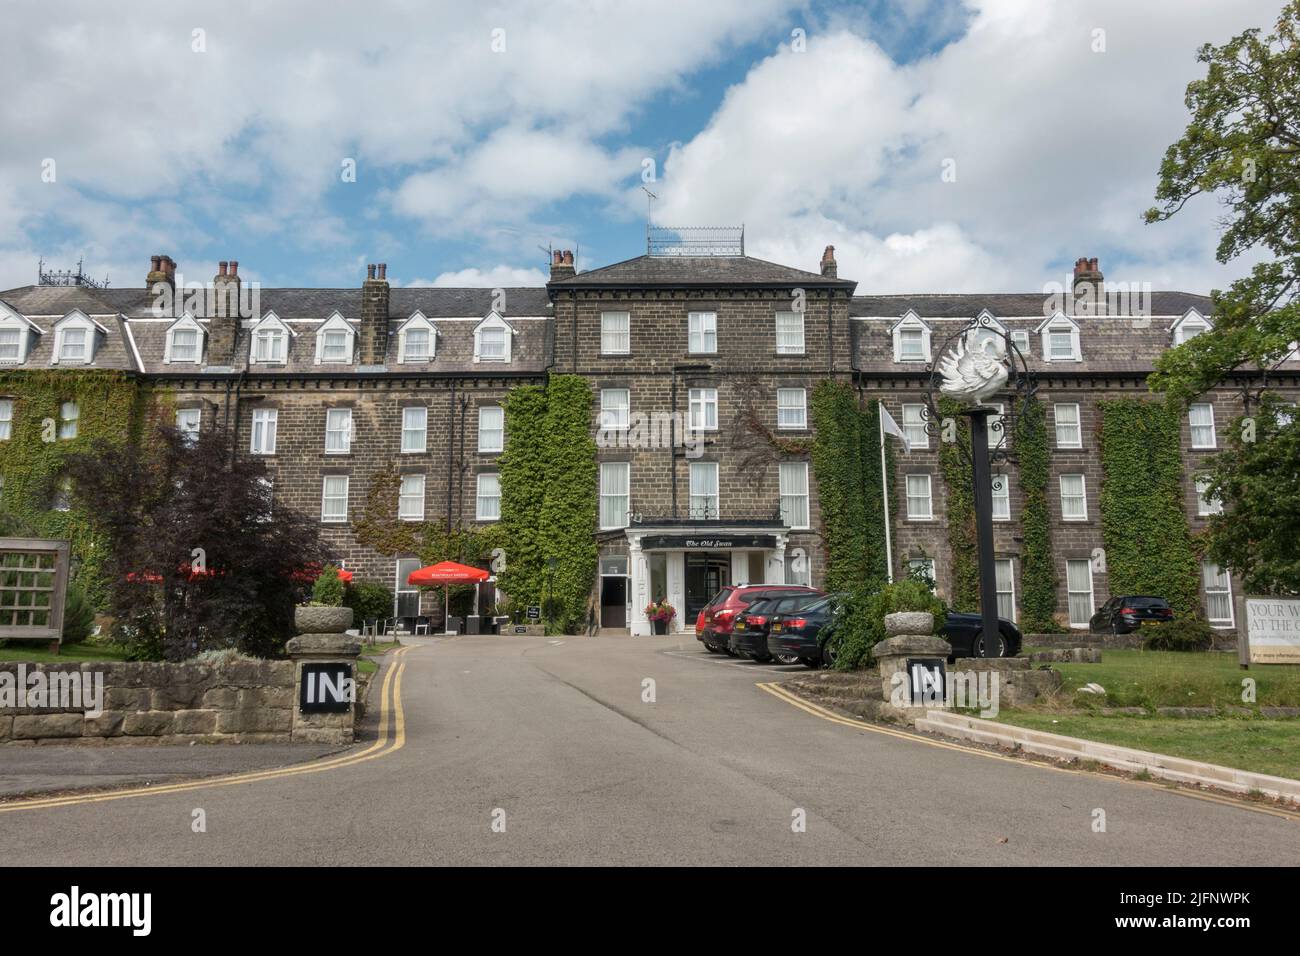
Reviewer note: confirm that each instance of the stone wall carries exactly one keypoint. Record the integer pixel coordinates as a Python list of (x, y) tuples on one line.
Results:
[(238, 702)]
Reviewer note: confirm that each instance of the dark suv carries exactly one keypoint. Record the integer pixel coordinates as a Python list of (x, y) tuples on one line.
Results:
[(964, 630), (1125, 614), (714, 625), (749, 633), (796, 633)]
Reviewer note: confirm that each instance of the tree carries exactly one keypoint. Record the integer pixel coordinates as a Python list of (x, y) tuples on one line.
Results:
[(197, 557), (1243, 145)]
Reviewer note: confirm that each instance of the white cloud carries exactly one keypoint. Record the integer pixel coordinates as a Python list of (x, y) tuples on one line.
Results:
[(498, 277)]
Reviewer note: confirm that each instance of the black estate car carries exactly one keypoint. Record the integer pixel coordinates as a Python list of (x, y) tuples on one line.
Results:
[(749, 633), (1125, 614), (795, 633)]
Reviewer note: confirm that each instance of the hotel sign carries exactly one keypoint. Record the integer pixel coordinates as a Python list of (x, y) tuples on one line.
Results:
[(1273, 630), (720, 542)]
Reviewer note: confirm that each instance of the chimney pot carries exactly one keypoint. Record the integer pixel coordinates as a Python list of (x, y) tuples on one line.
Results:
[(234, 267), (370, 270), (221, 267), (557, 258), (383, 271), (568, 257), (155, 261)]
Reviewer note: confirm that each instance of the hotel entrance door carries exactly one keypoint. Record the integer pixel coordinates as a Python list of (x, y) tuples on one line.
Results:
[(706, 575)]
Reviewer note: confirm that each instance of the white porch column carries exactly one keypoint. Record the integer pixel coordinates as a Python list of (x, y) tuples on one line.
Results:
[(776, 562), (638, 587), (676, 561)]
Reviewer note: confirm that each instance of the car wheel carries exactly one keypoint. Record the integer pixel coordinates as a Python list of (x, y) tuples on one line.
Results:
[(710, 648), (828, 654), (729, 652), (810, 663), (760, 658), (978, 650), (787, 658)]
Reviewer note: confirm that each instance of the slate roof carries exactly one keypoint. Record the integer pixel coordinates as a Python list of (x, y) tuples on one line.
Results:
[(1001, 304), (696, 271)]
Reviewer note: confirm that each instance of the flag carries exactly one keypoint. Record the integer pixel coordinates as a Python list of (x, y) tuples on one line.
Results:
[(890, 427)]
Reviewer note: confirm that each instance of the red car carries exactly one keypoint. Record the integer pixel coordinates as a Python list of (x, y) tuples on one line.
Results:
[(714, 624)]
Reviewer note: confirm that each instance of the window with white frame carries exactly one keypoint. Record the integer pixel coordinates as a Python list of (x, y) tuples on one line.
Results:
[(703, 409), (270, 343), (492, 340), (704, 491), (789, 333), (1189, 327), (1078, 585), (1069, 434), (417, 339), (793, 480), (1218, 595), (406, 596), (999, 432), (11, 345), (1001, 483), (1206, 503), (184, 341), (1020, 339), (62, 495), (73, 345), (911, 340), (338, 431), (488, 497), (1005, 576), (924, 567), (335, 345), (16, 333), (1074, 498), (188, 421), (1201, 418), (703, 332), (615, 477), (410, 499), (913, 424), (615, 333), (791, 408), (615, 409), (69, 418), (6, 418), (334, 499), (491, 429), (264, 422), (1060, 340), (919, 506), (414, 428)]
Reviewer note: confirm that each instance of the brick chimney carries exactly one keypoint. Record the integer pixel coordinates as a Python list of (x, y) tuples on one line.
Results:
[(223, 324), (830, 269), (562, 265), (374, 315), (161, 269), (1089, 292)]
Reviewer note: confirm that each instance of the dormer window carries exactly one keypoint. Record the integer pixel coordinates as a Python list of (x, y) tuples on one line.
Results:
[(492, 340), (184, 341), (75, 339), (911, 339), (1190, 326), (16, 332), (417, 339), (334, 341), (1060, 339), (270, 341)]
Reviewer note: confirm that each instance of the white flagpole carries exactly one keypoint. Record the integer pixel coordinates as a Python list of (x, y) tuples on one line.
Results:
[(884, 492)]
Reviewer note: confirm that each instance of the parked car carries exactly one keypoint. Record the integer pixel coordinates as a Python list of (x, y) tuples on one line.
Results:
[(749, 633), (714, 625), (1125, 614), (964, 631), (795, 633)]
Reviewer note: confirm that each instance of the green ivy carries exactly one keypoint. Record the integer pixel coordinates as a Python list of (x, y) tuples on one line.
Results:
[(1148, 545), (548, 500), (110, 408), (958, 479), (846, 464), (1037, 566)]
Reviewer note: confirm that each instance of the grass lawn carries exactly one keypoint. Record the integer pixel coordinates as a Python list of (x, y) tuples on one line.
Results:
[(1151, 679), (379, 650), (37, 651)]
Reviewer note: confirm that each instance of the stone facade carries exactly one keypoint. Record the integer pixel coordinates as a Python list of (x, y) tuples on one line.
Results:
[(747, 351)]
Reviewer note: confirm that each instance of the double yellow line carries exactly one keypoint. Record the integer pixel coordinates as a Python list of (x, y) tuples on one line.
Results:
[(808, 707), (392, 737)]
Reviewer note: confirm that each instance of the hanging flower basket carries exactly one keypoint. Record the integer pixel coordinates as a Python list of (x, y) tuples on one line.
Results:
[(660, 614)]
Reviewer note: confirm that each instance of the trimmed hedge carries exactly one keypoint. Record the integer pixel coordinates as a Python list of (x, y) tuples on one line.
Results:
[(1180, 634)]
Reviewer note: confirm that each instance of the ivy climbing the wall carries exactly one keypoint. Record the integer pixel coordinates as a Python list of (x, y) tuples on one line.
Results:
[(548, 500), (959, 482), (109, 406), (1037, 567), (846, 463), (1148, 544)]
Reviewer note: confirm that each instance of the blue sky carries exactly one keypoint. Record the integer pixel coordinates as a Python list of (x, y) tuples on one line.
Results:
[(216, 131)]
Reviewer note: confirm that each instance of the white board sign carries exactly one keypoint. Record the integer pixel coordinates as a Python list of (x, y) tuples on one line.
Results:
[(1273, 628)]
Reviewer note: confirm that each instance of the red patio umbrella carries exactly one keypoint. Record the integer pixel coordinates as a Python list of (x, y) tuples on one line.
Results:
[(447, 573)]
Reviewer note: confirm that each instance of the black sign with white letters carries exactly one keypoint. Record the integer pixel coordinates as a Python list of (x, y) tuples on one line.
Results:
[(721, 542), (326, 688)]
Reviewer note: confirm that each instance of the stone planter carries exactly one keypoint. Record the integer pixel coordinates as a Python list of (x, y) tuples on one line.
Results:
[(321, 620)]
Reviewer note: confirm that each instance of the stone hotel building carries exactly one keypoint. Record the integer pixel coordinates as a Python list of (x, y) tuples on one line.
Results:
[(332, 385)]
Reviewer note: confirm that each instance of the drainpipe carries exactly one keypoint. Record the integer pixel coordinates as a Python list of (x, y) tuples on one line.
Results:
[(460, 483), (451, 435)]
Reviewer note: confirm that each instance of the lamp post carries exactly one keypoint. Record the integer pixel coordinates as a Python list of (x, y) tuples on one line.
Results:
[(976, 363)]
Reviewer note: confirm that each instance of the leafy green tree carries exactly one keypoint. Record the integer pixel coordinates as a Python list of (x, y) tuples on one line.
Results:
[(1243, 146)]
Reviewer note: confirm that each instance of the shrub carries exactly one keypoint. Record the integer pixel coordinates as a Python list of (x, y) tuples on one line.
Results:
[(369, 600), (1180, 634), (223, 657), (78, 615), (328, 588), (860, 623)]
